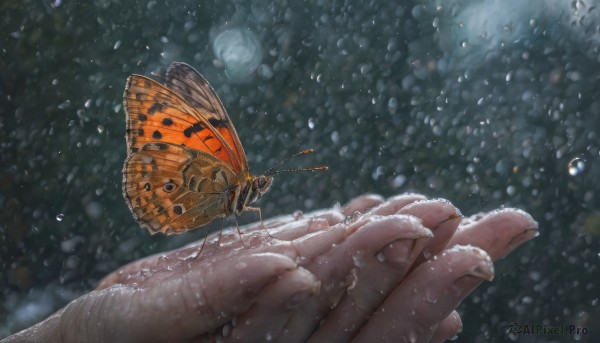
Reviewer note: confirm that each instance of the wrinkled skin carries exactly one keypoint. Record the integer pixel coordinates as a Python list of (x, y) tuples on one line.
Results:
[(373, 270)]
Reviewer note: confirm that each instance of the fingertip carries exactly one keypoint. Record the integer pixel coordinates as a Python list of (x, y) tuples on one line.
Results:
[(448, 329), (362, 203)]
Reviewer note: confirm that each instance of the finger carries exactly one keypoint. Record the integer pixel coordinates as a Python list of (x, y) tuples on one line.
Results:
[(450, 327), (333, 267), (300, 228), (441, 217), (428, 295), (362, 204), (497, 232), (272, 307), (202, 299), (395, 203), (377, 279), (373, 279)]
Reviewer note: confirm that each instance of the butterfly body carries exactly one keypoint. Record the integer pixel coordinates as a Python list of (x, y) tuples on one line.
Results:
[(185, 165)]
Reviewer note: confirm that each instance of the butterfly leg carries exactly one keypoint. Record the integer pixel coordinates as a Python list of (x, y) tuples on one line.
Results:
[(237, 227), (257, 209)]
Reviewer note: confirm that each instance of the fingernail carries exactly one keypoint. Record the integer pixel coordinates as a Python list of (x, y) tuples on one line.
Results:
[(484, 269)]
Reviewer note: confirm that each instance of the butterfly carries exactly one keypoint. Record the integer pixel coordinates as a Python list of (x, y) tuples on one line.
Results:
[(185, 164)]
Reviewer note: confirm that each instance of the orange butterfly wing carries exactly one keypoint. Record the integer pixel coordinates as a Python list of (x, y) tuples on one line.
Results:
[(193, 87), (156, 114)]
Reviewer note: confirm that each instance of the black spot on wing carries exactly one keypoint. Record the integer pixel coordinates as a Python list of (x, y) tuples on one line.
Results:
[(177, 209), (167, 122), (156, 134), (155, 107), (217, 122), (197, 127)]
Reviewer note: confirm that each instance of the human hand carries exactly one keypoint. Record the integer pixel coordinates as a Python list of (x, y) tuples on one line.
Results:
[(396, 272)]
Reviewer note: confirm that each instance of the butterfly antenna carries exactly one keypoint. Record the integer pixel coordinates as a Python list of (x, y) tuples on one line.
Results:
[(272, 171)]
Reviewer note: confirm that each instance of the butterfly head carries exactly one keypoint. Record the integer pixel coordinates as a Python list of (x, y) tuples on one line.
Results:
[(260, 185)]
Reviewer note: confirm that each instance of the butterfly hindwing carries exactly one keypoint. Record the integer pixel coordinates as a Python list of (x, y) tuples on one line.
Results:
[(172, 189)]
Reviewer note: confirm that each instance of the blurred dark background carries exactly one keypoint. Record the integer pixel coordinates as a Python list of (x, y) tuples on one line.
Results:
[(485, 103)]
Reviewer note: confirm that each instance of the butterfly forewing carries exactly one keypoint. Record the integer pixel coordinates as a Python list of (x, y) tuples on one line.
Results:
[(193, 87), (157, 114)]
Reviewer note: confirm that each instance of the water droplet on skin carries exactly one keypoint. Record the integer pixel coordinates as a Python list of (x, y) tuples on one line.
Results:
[(226, 330), (576, 166), (60, 217), (427, 253), (298, 215), (359, 260), (347, 220), (353, 279)]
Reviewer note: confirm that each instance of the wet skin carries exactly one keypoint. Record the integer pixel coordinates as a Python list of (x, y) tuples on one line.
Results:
[(375, 269)]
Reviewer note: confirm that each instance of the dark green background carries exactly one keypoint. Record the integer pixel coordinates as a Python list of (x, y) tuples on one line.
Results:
[(394, 97)]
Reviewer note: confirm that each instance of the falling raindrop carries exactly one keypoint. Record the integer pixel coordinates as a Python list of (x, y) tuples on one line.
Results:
[(576, 166)]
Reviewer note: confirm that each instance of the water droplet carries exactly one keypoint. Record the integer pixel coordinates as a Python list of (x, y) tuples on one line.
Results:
[(348, 220), (398, 181), (359, 260), (311, 123), (576, 166), (265, 71), (298, 215), (392, 104), (511, 190), (100, 129), (240, 51), (117, 45), (436, 22), (66, 104), (464, 44), (60, 217)]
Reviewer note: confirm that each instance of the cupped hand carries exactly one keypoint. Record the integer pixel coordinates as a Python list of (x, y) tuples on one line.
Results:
[(374, 269)]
